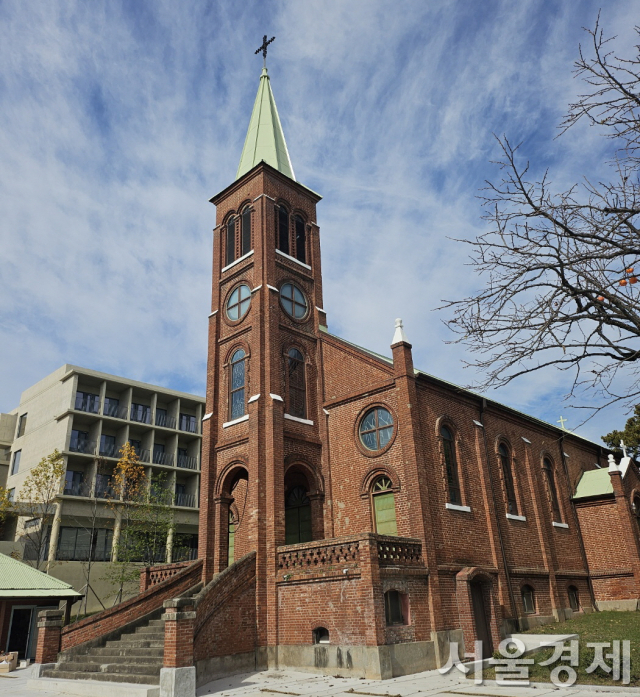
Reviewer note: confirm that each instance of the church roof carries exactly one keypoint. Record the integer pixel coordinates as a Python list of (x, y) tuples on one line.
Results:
[(18, 580), (265, 139), (594, 483)]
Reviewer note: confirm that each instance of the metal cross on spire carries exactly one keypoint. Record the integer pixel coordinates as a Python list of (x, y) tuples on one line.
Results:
[(263, 49), (562, 421)]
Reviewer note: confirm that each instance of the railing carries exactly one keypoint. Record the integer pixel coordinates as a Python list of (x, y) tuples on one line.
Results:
[(188, 462), (77, 489), (161, 458), (394, 551), (90, 404), (86, 447), (142, 416), (187, 500), (188, 425), (109, 450), (165, 420), (115, 410), (152, 575), (104, 491), (143, 455), (322, 553)]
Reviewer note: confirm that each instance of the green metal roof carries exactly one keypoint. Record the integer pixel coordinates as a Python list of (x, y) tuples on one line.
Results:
[(265, 139), (18, 580), (594, 483)]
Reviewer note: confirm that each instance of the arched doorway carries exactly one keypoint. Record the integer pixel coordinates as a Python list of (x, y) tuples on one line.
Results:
[(297, 515), (482, 615)]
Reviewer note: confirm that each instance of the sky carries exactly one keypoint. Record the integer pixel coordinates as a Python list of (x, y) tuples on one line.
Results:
[(120, 119)]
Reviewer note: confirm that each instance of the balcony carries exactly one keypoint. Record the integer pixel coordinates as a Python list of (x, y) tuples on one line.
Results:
[(188, 462), (188, 423), (77, 489), (86, 447), (162, 458), (109, 450), (140, 413), (165, 421), (114, 410), (104, 491), (143, 455), (87, 402), (187, 500)]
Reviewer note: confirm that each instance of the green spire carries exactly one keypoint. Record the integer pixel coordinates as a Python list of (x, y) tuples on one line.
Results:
[(265, 139)]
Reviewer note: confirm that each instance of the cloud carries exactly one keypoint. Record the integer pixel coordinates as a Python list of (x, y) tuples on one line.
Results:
[(119, 120)]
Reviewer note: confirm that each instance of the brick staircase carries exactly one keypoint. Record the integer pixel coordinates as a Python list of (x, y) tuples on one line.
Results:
[(134, 657)]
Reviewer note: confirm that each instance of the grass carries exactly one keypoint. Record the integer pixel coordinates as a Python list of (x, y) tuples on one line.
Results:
[(596, 626)]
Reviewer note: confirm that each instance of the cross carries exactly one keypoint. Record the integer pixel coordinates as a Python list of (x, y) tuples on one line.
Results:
[(562, 421), (623, 447), (263, 48)]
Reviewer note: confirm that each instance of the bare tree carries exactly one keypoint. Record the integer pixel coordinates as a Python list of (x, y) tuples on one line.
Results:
[(560, 268)]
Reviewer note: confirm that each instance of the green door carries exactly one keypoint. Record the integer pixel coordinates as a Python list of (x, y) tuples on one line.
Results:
[(232, 541), (297, 517), (384, 506)]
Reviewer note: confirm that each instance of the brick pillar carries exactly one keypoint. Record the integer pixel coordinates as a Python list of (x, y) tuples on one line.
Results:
[(179, 623), (145, 576), (629, 535), (49, 629)]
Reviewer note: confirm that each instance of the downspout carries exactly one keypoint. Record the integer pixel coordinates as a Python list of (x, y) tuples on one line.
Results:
[(512, 600), (583, 551)]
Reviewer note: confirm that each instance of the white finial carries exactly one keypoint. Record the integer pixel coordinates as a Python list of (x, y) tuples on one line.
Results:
[(399, 335), (612, 464), (624, 448)]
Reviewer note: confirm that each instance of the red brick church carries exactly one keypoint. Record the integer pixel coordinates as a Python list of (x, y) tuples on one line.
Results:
[(356, 513)]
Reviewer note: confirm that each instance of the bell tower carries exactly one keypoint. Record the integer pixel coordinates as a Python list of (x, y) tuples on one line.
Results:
[(263, 427)]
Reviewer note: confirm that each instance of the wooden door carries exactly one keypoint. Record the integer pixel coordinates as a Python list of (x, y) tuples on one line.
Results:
[(480, 618)]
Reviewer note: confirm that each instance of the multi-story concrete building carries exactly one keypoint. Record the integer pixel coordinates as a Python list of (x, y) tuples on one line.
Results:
[(88, 416)]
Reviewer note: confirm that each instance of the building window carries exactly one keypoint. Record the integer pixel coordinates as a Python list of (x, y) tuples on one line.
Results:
[(293, 301), (22, 425), (297, 516), (11, 495), (237, 385), (384, 507), (296, 390), (282, 229), (79, 544), (636, 509), (549, 472), (188, 423), (393, 608), (245, 247), (232, 540), (85, 401), (112, 408), (141, 413), (528, 600), (505, 460), (320, 635), (238, 302), (376, 428), (108, 446), (574, 598), (74, 484), (15, 466), (79, 442), (451, 466), (301, 241), (231, 241)]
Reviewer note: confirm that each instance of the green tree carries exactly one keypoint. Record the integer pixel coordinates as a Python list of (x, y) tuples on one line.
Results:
[(6, 505), (36, 504), (630, 435)]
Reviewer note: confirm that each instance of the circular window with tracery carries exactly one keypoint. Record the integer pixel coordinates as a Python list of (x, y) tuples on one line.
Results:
[(293, 301), (376, 428), (238, 302)]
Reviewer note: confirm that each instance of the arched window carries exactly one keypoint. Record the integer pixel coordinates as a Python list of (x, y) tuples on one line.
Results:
[(505, 460), (549, 473), (231, 241), (237, 385), (574, 598), (395, 608), (320, 635), (376, 428), (451, 465), (636, 508), (232, 539), (246, 231), (301, 241), (282, 229), (297, 516), (384, 506), (296, 390), (528, 600)]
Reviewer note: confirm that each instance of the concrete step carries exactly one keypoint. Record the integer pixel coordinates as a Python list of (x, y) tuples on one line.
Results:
[(156, 623), (128, 667), (90, 688), (119, 650), (150, 630), (136, 644), (103, 677), (114, 656)]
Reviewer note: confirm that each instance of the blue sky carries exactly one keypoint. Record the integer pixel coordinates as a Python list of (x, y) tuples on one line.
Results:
[(119, 120)]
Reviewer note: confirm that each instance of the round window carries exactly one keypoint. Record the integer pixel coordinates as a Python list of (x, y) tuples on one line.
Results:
[(293, 301), (238, 302), (376, 428)]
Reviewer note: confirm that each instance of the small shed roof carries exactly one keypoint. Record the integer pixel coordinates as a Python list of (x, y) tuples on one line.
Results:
[(594, 483), (18, 580)]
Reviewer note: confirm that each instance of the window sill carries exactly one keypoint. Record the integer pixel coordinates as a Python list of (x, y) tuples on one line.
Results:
[(255, 398), (237, 261), (455, 507), (298, 419), (559, 525), (236, 421), (290, 258), (206, 417), (276, 397), (510, 516)]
